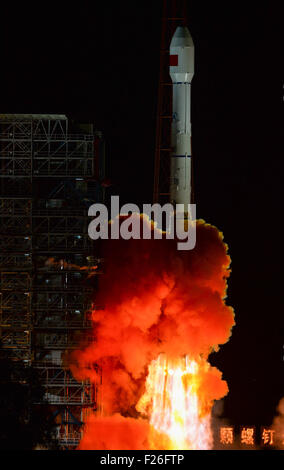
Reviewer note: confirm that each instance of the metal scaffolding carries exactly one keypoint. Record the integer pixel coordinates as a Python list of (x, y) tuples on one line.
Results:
[(49, 178)]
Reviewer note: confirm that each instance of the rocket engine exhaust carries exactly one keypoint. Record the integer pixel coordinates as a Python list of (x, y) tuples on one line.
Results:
[(162, 308)]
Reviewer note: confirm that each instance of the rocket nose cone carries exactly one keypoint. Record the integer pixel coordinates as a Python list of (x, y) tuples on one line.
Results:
[(181, 37)]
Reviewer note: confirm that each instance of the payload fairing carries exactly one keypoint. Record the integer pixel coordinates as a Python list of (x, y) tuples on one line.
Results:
[(181, 72)]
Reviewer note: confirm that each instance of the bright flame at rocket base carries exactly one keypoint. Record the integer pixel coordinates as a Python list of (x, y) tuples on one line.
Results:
[(175, 405)]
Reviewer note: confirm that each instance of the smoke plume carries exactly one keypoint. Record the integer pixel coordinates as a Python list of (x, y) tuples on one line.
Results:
[(156, 300), (278, 425)]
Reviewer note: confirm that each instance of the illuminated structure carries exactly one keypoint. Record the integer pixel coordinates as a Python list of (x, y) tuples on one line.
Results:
[(181, 72), (174, 15), (49, 177)]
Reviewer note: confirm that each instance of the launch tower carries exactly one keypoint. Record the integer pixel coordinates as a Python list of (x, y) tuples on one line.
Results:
[(49, 177)]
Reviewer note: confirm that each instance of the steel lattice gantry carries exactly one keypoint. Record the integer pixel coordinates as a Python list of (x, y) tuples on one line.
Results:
[(49, 177)]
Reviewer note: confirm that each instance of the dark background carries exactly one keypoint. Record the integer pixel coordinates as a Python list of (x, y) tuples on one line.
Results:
[(99, 61)]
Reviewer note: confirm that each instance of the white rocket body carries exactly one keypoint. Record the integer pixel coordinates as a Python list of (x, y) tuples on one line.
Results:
[(181, 72)]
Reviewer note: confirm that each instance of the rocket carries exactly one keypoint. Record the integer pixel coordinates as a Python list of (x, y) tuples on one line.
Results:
[(181, 73)]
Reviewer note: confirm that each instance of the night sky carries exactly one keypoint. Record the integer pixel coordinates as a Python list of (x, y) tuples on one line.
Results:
[(99, 61)]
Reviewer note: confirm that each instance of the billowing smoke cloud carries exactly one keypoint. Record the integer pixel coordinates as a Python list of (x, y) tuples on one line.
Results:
[(278, 425), (115, 432), (156, 300)]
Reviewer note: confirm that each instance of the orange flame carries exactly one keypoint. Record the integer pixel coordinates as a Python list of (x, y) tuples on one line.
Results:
[(174, 405), (63, 264)]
